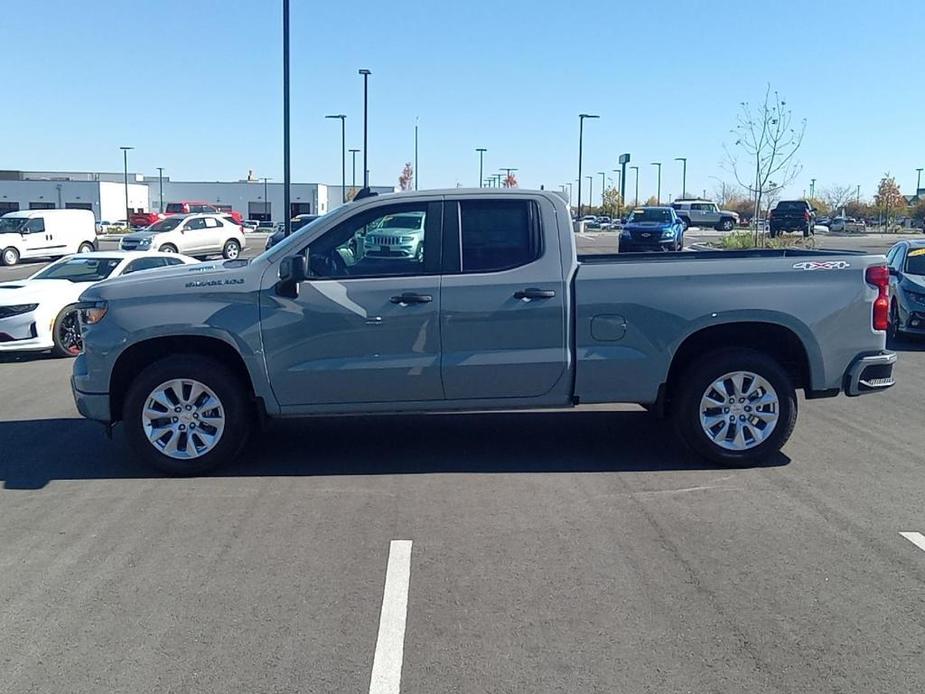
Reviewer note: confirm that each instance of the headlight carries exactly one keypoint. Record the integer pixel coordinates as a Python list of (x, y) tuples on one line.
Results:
[(916, 297), (406, 239), (92, 313), (668, 234), (625, 234), (144, 243), (18, 309)]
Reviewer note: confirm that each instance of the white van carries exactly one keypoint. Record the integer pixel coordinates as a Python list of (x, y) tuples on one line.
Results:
[(45, 234)]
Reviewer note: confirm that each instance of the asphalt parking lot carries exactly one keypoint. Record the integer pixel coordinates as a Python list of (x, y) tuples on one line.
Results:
[(550, 552)]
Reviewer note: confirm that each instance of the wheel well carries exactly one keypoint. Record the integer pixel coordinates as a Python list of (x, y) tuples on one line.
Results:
[(778, 342), (142, 354)]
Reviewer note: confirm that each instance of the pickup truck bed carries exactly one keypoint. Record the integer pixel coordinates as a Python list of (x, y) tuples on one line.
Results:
[(499, 312)]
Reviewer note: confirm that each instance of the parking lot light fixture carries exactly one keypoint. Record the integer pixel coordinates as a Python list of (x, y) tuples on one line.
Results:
[(366, 73), (266, 199), (125, 180), (481, 151), (590, 191), (683, 161), (636, 196), (343, 155), (658, 193), (353, 155), (918, 181), (160, 189), (581, 132), (603, 175)]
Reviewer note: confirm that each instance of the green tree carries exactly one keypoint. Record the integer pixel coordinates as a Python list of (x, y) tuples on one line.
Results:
[(889, 198), (612, 202)]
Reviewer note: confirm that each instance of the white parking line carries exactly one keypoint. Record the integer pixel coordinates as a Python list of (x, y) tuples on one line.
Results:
[(390, 645), (918, 539)]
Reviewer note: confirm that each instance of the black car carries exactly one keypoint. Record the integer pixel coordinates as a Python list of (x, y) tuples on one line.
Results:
[(791, 215)]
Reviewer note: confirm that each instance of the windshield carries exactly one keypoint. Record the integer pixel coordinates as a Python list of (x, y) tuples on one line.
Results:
[(12, 224), (402, 221), (166, 224), (915, 262), (175, 207), (651, 215), (80, 269)]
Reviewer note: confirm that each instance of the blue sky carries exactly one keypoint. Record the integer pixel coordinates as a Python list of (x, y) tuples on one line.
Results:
[(195, 86)]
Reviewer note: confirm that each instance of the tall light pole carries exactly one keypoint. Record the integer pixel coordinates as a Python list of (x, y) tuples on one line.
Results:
[(636, 196), (343, 154), (658, 190), (858, 200), (918, 181), (266, 200), (590, 191), (160, 188), (481, 151), (415, 152), (683, 161), (287, 224), (353, 155), (125, 179), (812, 188), (603, 175), (366, 73), (569, 184), (581, 133)]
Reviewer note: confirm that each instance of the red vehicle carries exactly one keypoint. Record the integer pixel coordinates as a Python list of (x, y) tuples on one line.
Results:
[(144, 219), (200, 207)]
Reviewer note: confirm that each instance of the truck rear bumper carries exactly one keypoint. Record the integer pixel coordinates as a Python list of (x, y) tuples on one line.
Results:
[(870, 373)]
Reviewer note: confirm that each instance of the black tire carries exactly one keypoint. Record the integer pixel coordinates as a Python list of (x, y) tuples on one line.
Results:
[(235, 404), (168, 248), (231, 249), (725, 224), (893, 332), (9, 256), (698, 377), (86, 247), (66, 333)]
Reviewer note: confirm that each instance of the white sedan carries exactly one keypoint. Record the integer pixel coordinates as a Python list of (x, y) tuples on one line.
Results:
[(40, 313)]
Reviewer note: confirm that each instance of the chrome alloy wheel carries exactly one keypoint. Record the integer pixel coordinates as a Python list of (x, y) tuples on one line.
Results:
[(739, 410), (183, 419)]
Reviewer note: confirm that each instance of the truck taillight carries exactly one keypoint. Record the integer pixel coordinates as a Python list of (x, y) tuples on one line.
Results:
[(806, 215), (879, 276), (770, 214)]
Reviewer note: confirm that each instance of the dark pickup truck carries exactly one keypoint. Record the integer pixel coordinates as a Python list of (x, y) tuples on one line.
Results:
[(791, 215)]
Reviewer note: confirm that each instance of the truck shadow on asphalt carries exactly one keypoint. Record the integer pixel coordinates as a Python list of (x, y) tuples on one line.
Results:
[(40, 451)]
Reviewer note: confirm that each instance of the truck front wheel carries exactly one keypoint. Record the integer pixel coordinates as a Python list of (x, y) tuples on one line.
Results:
[(735, 407), (187, 414)]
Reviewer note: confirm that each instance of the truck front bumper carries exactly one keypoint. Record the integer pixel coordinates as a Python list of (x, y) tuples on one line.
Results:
[(93, 406), (870, 373)]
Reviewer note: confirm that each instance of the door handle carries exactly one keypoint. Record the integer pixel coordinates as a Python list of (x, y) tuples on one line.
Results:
[(533, 293), (411, 298)]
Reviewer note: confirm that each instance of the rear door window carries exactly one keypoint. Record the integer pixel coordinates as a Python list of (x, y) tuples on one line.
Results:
[(498, 234)]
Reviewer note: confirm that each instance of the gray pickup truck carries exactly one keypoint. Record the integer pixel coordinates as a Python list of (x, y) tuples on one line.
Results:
[(497, 312)]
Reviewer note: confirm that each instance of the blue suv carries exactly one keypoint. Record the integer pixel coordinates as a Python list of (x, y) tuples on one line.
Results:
[(652, 229)]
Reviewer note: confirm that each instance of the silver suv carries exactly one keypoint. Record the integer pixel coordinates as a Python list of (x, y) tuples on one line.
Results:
[(198, 235), (703, 213)]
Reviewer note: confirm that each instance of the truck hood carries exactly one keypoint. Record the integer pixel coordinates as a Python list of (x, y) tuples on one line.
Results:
[(223, 275), (915, 283), (646, 226)]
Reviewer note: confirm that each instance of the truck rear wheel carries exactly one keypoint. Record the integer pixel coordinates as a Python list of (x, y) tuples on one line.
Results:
[(735, 406), (10, 256), (725, 224), (187, 414)]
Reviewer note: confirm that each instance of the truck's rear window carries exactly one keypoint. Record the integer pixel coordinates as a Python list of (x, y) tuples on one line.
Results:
[(498, 235), (796, 206)]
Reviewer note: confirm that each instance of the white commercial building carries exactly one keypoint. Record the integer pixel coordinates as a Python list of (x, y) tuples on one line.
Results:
[(104, 194)]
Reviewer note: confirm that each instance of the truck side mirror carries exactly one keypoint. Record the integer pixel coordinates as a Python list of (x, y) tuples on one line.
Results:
[(291, 275)]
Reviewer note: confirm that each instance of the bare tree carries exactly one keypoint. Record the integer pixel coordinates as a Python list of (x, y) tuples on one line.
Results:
[(767, 137), (510, 181), (407, 177), (836, 197)]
